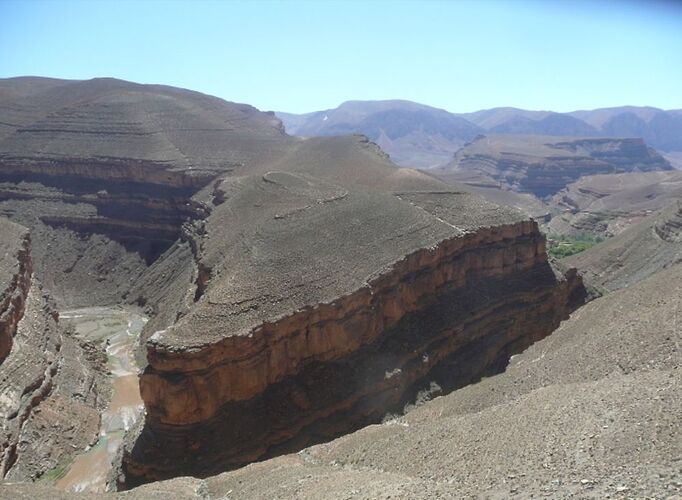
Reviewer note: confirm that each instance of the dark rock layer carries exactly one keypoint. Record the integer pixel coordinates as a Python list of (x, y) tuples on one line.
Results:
[(446, 315)]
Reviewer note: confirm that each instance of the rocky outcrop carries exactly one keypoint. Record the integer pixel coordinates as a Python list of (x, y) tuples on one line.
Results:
[(49, 385), (543, 165), (609, 204), (643, 249), (450, 313), (15, 281)]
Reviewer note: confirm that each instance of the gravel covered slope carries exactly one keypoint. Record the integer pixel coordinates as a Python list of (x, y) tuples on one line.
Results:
[(591, 411), (652, 245)]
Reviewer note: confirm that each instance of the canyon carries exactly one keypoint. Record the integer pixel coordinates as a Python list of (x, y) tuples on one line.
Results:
[(296, 289)]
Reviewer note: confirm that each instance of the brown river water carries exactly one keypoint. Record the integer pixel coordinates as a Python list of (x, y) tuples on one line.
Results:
[(117, 330)]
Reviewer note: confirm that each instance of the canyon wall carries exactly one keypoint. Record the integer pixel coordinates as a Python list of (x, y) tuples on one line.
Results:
[(15, 281), (441, 317), (542, 165), (103, 173), (609, 204), (50, 387), (299, 288)]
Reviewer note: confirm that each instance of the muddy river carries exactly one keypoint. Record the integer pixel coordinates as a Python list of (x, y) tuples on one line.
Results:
[(116, 330)]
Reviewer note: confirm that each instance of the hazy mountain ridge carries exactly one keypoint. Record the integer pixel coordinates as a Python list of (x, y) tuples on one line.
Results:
[(422, 136)]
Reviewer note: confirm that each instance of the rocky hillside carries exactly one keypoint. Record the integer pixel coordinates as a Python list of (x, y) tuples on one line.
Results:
[(15, 281), (51, 389), (303, 338), (297, 288), (543, 165), (115, 164), (648, 247), (608, 204), (589, 412)]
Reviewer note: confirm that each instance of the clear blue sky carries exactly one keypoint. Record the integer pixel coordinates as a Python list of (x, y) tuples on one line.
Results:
[(305, 56)]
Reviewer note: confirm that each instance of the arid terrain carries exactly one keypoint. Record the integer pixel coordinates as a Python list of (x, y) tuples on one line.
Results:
[(195, 303), (421, 136)]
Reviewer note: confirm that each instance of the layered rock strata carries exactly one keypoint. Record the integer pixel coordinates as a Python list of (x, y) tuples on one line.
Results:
[(643, 249), (15, 281), (542, 165), (611, 203), (50, 388), (447, 314), (103, 172)]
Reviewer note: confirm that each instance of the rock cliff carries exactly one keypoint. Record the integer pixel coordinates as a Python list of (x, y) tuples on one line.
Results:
[(267, 380), (50, 389), (15, 281), (298, 288), (611, 203), (543, 165)]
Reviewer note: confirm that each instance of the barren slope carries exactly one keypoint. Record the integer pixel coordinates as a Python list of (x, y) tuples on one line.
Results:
[(652, 245), (297, 288), (103, 172), (543, 165), (611, 203), (591, 411)]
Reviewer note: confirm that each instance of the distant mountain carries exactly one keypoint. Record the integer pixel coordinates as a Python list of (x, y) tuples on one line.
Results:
[(552, 124), (422, 136), (489, 118), (412, 134), (598, 117)]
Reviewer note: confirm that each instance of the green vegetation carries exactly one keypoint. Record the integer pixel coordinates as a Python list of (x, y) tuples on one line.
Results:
[(560, 246), (54, 475)]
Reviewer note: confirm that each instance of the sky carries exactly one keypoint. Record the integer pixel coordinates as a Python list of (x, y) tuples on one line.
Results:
[(301, 56)]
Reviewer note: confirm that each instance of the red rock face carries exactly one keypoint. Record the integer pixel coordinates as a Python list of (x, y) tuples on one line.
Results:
[(447, 314), (13, 299)]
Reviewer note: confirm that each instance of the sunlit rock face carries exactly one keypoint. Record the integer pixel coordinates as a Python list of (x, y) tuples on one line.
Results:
[(308, 354), (297, 288)]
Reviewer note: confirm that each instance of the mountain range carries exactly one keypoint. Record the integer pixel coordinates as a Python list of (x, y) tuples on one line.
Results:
[(423, 136)]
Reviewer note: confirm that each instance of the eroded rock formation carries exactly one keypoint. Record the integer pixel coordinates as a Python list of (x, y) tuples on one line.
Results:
[(15, 281), (643, 249), (609, 204), (444, 315), (543, 165), (50, 389), (103, 173), (299, 288)]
